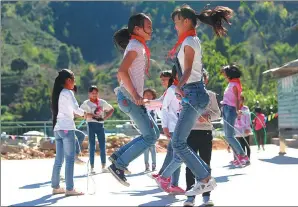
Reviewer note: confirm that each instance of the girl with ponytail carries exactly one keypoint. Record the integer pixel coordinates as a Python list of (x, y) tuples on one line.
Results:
[(190, 71), (64, 106), (131, 74)]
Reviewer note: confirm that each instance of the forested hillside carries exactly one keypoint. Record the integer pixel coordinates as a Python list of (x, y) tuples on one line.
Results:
[(39, 38)]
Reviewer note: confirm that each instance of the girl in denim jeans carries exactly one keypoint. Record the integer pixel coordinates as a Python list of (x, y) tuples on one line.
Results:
[(190, 86), (231, 110), (64, 106), (131, 74)]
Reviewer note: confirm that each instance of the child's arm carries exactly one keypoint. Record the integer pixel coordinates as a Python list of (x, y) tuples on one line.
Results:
[(236, 92)]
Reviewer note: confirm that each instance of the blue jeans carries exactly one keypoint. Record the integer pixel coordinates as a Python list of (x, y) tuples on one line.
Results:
[(95, 128), (80, 136), (229, 117), (147, 126), (152, 150), (65, 147), (166, 162), (198, 100)]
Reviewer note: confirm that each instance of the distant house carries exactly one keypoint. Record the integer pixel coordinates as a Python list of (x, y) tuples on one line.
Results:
[(287, 89)]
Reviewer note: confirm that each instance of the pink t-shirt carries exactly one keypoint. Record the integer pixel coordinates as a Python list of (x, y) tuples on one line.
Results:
[(229, 97), (259, 121)]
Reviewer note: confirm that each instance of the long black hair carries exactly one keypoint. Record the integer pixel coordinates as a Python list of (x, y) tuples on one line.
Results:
[(168, 74), (232, 71), (63, 75), (122, 36), (212, 17)]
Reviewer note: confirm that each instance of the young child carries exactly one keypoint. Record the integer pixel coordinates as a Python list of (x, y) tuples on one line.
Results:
[(131, 74), (190, 86), (171, 108), (259, 127), (64, 106), (150, 94), (242, 126), (231, 109), (101, 110)]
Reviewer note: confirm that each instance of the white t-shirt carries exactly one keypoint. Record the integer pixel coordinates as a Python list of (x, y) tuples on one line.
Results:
[(137, 69), (196, 72), (67, 107), (91, 108)]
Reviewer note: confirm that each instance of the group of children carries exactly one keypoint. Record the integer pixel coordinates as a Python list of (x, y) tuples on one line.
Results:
[(186, 109)]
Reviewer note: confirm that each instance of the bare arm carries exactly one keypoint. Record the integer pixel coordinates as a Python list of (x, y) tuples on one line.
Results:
[(123, 72), (235, 90), (109, 114)]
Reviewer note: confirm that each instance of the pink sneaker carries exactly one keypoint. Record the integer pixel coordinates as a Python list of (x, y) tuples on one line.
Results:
[(163, 183), (244, 160), (175, 190), (236, 163)]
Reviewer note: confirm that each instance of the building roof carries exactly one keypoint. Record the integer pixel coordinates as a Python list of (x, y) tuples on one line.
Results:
[(287, 69)]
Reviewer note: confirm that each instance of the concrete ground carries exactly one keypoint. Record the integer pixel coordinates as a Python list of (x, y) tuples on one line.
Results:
[(271, 180)]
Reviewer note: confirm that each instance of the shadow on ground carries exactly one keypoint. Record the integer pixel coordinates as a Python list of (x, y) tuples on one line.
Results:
[(282, 160)]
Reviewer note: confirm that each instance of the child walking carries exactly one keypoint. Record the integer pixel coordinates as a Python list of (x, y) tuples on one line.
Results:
[(64, 106), (231, 109), (259, 127), (100, 110)]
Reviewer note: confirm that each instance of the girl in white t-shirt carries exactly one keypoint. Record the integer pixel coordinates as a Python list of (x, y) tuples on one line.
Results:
[(191, 88)]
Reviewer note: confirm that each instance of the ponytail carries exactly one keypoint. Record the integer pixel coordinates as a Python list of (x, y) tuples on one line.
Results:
[(215, 18), (58, 87), (121, 39)]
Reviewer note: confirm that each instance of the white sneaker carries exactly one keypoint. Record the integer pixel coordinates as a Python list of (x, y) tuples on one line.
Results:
[(207, 201), (79, 161), (104, 170), (92, 171), (200, 188)]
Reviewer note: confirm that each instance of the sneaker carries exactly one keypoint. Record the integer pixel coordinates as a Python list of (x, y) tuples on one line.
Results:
[(79, 161), (119, 175), (104, 170), (190, 201), (244, 160), (58, 191), (207, 201), (73, 193), (153, 176), (62, 178), (92, 171), (175, 190), (147, 170), (236, 163), (127, 172), (200, 187), (163, 183)]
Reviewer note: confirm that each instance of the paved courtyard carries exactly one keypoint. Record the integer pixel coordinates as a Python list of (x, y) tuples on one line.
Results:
[(271, 180)]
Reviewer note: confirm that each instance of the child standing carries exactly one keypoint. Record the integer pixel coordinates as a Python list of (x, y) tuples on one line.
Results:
[(260, 127), (231, 109), (242, 126), (101, 111), (150, 94), (64, 105)]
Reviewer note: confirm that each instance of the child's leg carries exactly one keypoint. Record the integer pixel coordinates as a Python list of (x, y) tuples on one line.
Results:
[(146, 159), (153, 157), (91, 137)]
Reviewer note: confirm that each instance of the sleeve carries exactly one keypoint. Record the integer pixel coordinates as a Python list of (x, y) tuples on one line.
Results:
[(85, 107), (106, 106), (247, 119), (165, 104), (134, 46), (213, 110), (76, 108)]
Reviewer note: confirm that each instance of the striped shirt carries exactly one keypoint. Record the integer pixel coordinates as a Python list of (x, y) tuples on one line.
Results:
[(137, 69)]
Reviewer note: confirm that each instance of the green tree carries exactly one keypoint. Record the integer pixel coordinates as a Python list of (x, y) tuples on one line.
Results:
[(19, 65), (63, 59)]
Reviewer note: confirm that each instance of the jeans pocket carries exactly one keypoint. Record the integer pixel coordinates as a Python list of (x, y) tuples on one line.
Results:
[(124, 104)]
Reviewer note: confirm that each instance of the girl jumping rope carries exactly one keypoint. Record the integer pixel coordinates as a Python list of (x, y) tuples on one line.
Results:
[(191, 86), (134, 66), (231, 109)]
